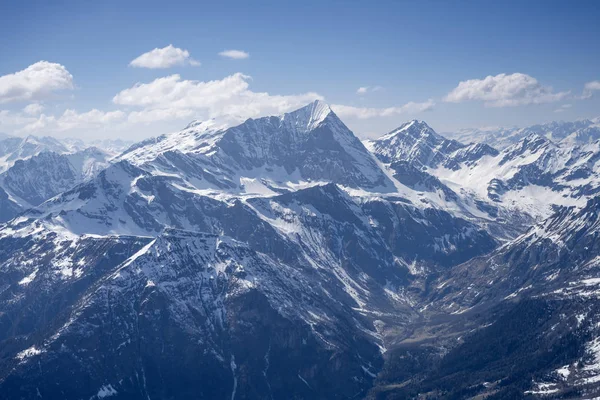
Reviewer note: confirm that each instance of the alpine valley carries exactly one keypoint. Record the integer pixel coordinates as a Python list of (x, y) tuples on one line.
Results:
[(284, 258)]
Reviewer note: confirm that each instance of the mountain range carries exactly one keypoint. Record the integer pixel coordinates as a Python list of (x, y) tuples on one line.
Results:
[(576, 132), (285, 258)]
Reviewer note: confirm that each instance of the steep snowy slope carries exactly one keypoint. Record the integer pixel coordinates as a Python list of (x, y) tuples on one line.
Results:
[(521, 183), (31, 181), (413, 142), (39, 178), (9, 207), (239, 324), (88, 162), (558, 254), (522, 321), (532, 176), (16, 148), (197, 137), (33, 169)]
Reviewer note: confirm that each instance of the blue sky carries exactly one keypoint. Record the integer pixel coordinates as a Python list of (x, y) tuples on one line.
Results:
[(411, 57)]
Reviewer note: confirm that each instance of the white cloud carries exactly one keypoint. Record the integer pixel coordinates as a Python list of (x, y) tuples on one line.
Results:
[(155, 107), (368, 89), (166, 57), (34, 109), (12, 119), (589, 88), (594, 85), (504, 91), (159, 114), (71, 120), (234, 54), (365, 112), (162, 104), (228, 97), (35, 82), (563, 108)]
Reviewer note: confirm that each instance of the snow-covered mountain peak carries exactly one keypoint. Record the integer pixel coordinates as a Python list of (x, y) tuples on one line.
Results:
[(531, 144), (308, 117), (209, 125), (194, 123), (415, 128), (535, 138), (414, 141), (19, 148), (197, 137), (43, 142), (203, 136), (472, 153), (311, 141)]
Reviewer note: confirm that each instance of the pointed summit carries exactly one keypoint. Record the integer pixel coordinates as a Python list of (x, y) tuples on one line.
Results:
[(414, 141), (415, 128), (532, 142), (311, 142), (308, 117)]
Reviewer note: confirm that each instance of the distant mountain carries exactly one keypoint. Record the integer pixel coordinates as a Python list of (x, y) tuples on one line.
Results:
[(414, 142), (573, 133), (530, 177), (16, 148), (111, 146), (39, 177), (31, 181)]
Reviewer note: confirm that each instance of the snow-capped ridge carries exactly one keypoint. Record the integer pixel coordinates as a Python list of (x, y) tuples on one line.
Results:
[(531, 144), (415, 142), (414, 128), (577, 132)]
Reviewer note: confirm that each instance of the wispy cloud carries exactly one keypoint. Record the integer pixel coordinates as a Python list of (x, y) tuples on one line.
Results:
[(365, 112), (33, 109), (504, 90), (234, 54), (71, 120), (589, 89), (563, 108), (594, 85), (35, 82), (147, 116), (166, 57), (368, 89), (11, 119)]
